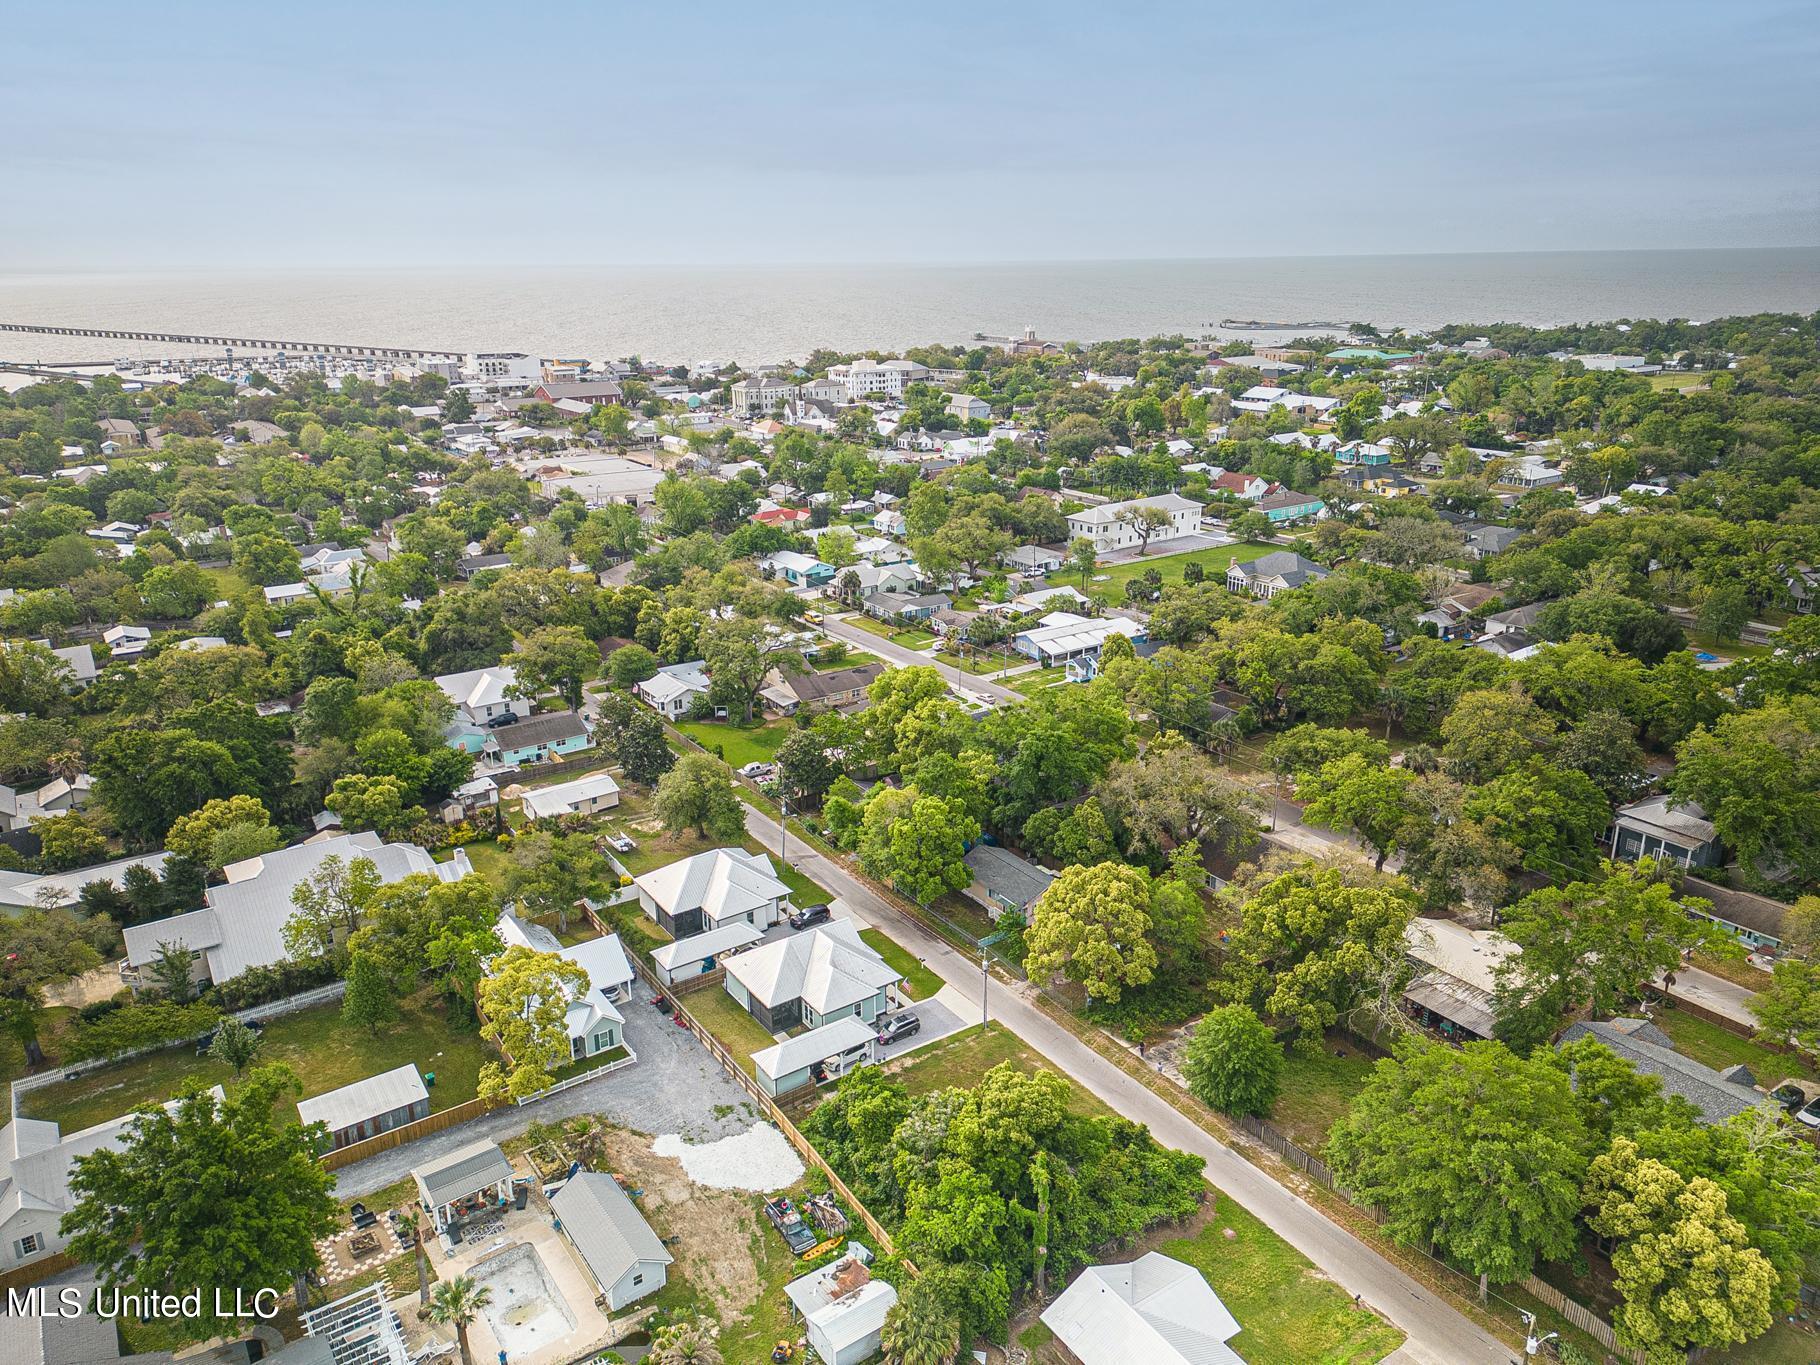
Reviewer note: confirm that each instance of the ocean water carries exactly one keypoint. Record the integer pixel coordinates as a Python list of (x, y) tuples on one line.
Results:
[(754, 314)]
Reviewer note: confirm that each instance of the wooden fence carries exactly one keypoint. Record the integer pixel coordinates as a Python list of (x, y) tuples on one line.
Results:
[(1580, 1316), (407, 1132), (43, 1268)]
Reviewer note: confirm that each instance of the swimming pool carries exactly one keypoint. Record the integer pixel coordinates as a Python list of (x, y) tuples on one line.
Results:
[(528, 1311)]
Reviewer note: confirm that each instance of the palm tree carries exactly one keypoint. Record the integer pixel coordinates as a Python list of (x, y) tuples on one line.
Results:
[(587, 1135), (919, 1331), (458, 1302), (414, 1221), (686, 1343)]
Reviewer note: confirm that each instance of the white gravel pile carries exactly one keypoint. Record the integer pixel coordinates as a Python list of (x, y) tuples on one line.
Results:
[(759, 1159)]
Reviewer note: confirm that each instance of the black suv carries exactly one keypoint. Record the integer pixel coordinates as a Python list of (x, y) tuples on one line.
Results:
[(811, 914)]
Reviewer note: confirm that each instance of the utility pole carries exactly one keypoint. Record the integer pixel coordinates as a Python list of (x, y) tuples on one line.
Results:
[(783, 829), (985, 983)]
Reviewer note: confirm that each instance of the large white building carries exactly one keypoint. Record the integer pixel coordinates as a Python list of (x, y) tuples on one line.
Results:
[(508, 369), (879, 378), (1112, 526), (760, 395)]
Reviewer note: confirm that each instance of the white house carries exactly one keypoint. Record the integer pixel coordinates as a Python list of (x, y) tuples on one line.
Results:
[(1032, 559), (625, 1259), (126, 642), (594, 1022), (843, 1309), (484, 694), (242, 922), (888, 522), (673, 688), (28, 890), (1062, 636), (813, 978), (699, 954), (1272, 573), (584, 796), (1154, 1309), (59, 796), (790, 1065), (1110, 526), (720, 887)]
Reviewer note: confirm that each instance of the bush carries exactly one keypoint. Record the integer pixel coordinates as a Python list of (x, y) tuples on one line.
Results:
[(1234, 1063), (276, 981), (136, 1026), (100, 1008)]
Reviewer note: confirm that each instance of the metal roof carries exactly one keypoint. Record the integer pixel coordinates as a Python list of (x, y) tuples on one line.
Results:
[(1154, 1309), (818, 1044), (606, 1227), (699, 947), (362, 1100), (464, 1171)]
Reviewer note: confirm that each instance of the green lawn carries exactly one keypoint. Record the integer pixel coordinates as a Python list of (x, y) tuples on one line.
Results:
[(803, 890), (1317, 1090), (739, 744), (53, 1024), (962, 1058), (853, 658), (1113, 577), (870, 625), (919, 981), (1037, 681), (978, 664), (489, 859), (324, 1052), (1719, 1048), (721, 1015), (1290, 1314)]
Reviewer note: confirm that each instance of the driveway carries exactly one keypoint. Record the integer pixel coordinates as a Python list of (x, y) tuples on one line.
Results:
[(938, 1022), (1716, 994), (1162, 549), (674, 1087)]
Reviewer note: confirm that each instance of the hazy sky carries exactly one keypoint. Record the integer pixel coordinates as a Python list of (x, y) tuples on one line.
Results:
[(322, 134)]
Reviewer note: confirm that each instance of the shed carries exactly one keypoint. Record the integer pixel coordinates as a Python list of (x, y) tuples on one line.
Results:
[(465, 1181), (787, 1065), (367, 1108), (699, 954), (611, 1237), (843, 1309)]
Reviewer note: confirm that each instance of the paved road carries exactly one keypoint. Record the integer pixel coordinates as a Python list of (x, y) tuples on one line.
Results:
[(902, 657), (1716, 994), (1438, 1334)]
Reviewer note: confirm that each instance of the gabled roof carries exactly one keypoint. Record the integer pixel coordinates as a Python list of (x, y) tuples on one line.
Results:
[(376, 1095), (464, 1171), (535, 730), (1650, 1050), (722, 883), (1665, 815), (827, 968), (700, 947), (479, 686), (1154, 1309), (561, 798), (1284, 564), (1108, 512), (806, 1049), (606, 1227)]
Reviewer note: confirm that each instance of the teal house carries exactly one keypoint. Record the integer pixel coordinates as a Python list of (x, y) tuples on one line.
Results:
[(1288, 506), (537, 739)]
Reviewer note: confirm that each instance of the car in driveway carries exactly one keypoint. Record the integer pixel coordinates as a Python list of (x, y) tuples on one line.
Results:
[(895, 1027), (811, 915), (1789, 1095), (1809, 1113)]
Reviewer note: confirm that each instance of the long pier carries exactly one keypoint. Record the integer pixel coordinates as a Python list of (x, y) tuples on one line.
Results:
[(335, 348)]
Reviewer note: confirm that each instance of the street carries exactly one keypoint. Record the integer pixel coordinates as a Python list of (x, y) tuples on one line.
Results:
[(1437, 1332), (904, 657)]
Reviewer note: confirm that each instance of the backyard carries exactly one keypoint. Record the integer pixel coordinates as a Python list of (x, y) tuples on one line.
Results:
[(727, 1020), (1318, 1090), (324, 1052), (1719, 1048), (1107, 582)]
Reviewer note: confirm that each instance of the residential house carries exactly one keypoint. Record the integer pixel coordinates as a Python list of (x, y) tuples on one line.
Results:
[(1247, 487), (593, 1020), (81, 1338), (711, 890), (1531, 471), (583, 796), (80, 659), (472, 798), (1718, 1095), (1513, 645), (843, 1309), (1484, 541), (836, 1048), (903, 577), (811, 978), (904, 606), (798, 569), (682, 959), (37, 890), (1272, 573), (1756, 921), (1664, 828), (888, 522), (368, 1108), (1002, 880), (469, 565), (241, 924), (1032, 559), (833, 690), (126, 642), (119, 429), (1803, 588), (536, 739), (672, 690), (967, 407), (1062, 635), (482, 696), (1514, 619), (1154, 1309), (1457, 975), (624, 1258), (1287, 506), (1367, 453), (786, 517), (1111, 525), (59, 796)]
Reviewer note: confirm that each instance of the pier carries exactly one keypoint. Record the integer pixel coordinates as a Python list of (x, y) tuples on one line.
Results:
[(334, 348)]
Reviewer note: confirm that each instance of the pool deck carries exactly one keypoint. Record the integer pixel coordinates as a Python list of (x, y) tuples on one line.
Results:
[(533, 1227)]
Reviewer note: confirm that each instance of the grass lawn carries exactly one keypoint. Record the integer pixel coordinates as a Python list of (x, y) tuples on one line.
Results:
[(803, 890), (489, 859), (919, 981), (912, 638), (1037, 681), (1111, 578), (980, 665), (230, 584), (324, 1052), (1735, 970), (871, 625), (739, 744), (1317, 1091), (53, 1026), (722, 1016), (1289, 1312), (1718, 1048), (962, 1058), (853, 658)]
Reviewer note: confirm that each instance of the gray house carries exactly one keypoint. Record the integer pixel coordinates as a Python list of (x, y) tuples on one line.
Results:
[(811, 978), (368, 1108), (1716, 1094), (610, 1236), (1004, 881), (1662, 827)]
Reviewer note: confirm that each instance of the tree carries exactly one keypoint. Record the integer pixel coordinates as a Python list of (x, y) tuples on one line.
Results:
[(689, 1342), (523, 1005), (176, 591), (1493, 730), (1145, 521), (1604, 747), (734, 652), (1450, 857), (173, 971), (1725, 610), (266, 559), (235, 1044), (68, 841), (920, 1329), (1757, 775), (633, 735), (1091, 925), (928, 848), (1472, 1150), (1311, 942), (148, 778), (1686, 1270), (365, 802), (558, 659), (698, 793), (1082, 558), (1552, 814), (1788, 1009), (1361, 795), (806, 766), (456, 1303), (630, 664), (371, 1000), (39, 948), (1174, 794), (547, 873), (206, 1192), (193, 836), (328, 905), (1598, 943), (1233, 1062)]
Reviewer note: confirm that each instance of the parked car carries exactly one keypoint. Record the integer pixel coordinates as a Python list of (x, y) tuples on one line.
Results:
[(759, 771), (1809, 1113), (1790, 1096), (892, 1027), (622, 843), (508, 718), (811, 914)]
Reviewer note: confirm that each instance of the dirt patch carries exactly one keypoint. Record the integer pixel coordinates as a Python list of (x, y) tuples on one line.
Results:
[(710, 1232)]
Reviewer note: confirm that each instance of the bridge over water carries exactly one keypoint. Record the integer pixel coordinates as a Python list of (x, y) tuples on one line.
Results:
[(334, 348)]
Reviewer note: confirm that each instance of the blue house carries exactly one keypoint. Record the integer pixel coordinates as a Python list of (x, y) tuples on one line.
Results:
[(1362, 453), (1289, 506), (538, 738), (799, 570)]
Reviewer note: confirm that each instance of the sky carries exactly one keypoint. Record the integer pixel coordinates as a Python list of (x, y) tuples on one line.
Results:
[(199, 135)]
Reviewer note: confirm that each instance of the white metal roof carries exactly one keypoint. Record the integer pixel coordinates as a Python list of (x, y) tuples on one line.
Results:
[(561, 798), (721, 883), (366, 1099), (827, 968), (699, 947), (1155, 1310), (818, 1044)]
